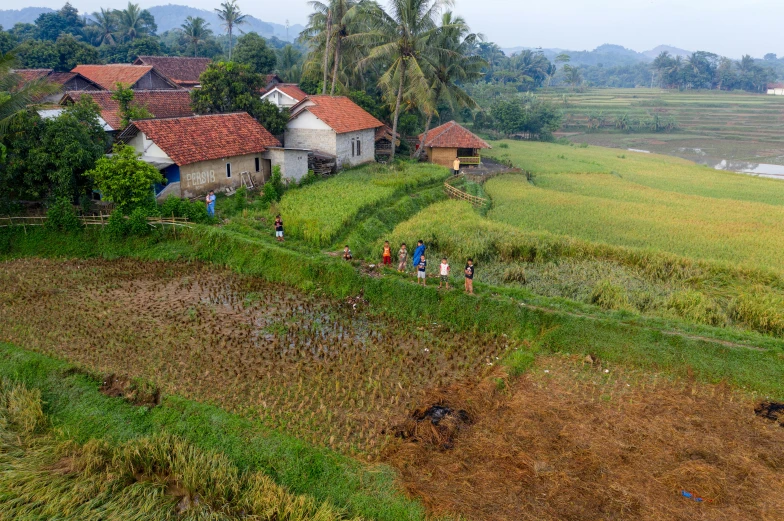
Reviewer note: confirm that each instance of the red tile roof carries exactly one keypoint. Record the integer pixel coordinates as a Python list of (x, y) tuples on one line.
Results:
[(108, 76), (160, 103), (452, 135), (385, 132), (182, 70), (202, 138), (32, 74), (291, 89), (340, 113)]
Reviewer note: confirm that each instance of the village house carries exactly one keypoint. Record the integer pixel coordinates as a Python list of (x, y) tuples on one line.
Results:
[(66, 80), (137, 77), (284, 95), (182, 70), (197, 154), (385, 142), (160, 103), (450, 141), (776, 89), (333, 125)]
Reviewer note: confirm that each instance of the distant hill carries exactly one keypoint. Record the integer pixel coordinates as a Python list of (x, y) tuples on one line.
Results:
[(167, 17), (11, 17), (675, 51), (608, 55), (171, 16)]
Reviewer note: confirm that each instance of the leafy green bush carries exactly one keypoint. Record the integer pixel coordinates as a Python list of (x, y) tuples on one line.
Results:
[(309, 178), (61, 216), (175, 207), (240, 199), (117, 226), (125, 179), (137, 222)]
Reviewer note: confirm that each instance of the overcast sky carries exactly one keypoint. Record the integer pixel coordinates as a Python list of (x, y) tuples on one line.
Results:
[(728, 27)]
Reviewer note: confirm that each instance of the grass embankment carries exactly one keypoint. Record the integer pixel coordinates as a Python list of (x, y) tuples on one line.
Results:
[(151, 477), (235, 452), (322, 212), (636, 342)]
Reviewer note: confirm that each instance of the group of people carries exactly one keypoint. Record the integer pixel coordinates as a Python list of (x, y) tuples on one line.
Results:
[(419, 263)]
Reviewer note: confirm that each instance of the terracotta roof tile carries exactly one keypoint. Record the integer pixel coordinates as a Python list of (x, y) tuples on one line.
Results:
[(108, 76), (291, 89), (202, 138), (160, 103), (182, 70), (32, 74), (452, 135), (340, 113)]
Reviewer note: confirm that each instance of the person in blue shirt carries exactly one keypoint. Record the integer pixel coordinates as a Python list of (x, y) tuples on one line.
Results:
[(420, 250), (211, 204)]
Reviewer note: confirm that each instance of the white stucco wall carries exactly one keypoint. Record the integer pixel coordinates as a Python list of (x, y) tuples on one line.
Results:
[(279, 99), (293, 163), (147, 148), (367, 149)]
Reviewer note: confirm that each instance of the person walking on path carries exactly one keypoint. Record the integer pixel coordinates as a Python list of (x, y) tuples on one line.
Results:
[(420, 250), (386, 254), (469, 277), (402, 258), (211, 203), (456, 166), (443, 273), (278, 228), (422, 270)]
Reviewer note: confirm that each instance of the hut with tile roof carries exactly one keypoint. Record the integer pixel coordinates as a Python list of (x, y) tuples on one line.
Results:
[(197, 154), (333, 125), (137, 77), (182, 70), (450, 141)]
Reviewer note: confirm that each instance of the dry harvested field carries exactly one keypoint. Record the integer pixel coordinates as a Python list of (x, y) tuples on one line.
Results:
[(572, 439)]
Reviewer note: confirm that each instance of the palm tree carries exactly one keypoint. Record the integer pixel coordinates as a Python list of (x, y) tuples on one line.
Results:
[(231, 16), (104, 23), (400, 40), (455, 64), (289, 63), (195, 31), (329, 25), (18, 94), (533, 67), (132, 22)]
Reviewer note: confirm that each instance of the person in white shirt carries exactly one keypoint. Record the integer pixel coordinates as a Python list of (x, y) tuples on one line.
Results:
[(443, 273)]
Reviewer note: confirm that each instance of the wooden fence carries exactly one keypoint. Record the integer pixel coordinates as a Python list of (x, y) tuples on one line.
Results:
[(456, 193), (89, 220)]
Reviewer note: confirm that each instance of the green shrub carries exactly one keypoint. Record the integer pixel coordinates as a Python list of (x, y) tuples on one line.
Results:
[(117, 226), (519, 361), (607, 295), (176, 207), (277, 183), (309, 178), (61, 217), (240, 199), (137, 222)]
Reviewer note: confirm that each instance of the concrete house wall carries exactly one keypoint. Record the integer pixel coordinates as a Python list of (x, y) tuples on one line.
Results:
[(293, 162), (197, 179), (367, 148)]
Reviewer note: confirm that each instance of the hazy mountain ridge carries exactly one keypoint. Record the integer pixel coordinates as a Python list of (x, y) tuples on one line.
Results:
[(608, 55), (169, 16)]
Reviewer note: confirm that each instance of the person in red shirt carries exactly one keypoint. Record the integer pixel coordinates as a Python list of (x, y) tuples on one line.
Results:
[(387, 254)]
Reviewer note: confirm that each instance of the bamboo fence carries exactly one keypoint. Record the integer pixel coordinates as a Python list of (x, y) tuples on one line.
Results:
[(456, 193), (89, 220)]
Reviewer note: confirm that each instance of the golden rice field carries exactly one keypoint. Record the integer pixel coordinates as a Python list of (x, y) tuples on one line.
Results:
[(642, 201)]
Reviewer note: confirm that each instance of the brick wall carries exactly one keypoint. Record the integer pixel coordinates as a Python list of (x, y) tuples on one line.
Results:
[(311, 139)]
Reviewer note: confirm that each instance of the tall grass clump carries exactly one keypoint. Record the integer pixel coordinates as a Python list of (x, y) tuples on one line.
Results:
[(760, 309), (319, 212), (607, 295), (161, 476)]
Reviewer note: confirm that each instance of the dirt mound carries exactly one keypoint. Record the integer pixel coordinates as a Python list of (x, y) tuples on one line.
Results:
[(136, 391), (773, 411)]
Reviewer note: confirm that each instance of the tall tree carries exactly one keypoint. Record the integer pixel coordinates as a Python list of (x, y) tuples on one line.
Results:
[(231, 16), (65, 21), (400, 40), (448, 70), (195, 32), (104, 23), (135, 22), (252, 50)]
